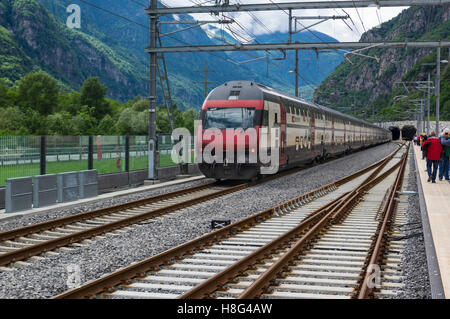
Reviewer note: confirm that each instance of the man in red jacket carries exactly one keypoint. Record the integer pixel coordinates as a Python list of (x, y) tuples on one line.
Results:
[(433, 149)]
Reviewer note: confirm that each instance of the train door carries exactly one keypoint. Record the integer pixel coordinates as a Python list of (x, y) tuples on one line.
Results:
[(332, 134), (312, 129), (283, 143), (277, 126)]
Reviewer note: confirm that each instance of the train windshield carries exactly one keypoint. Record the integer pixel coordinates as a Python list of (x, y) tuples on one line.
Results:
[(229, 117)]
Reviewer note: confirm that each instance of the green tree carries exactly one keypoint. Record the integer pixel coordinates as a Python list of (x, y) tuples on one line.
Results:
[(107, 126), (93, 95), (84, 122), (11, 121), (38, 91), (60, 123), (141, 105)]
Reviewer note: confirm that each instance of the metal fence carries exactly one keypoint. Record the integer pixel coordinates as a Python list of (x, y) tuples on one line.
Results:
[(38, 155)]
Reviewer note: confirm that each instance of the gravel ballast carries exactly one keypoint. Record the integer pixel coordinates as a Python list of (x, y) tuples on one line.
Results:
[(414, 261), (48, 277), (35, 218)]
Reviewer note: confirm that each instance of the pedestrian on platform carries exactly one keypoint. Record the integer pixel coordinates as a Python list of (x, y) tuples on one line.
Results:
[(415, 139), (423, 138), (445, 156), (433, 149)]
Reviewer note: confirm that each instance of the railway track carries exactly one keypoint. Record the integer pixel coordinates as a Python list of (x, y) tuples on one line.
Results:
[(19, 246), (28, 242), (231, 261)]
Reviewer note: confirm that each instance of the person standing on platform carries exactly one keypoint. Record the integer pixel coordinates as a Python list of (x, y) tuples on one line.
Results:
[(433, 148), (445, 158), (423, 138)]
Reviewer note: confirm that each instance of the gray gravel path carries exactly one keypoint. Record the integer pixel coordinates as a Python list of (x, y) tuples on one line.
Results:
[(49, 277), (414, 261)]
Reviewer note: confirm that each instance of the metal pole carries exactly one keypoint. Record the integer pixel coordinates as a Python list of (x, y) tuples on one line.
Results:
[(127, 157), (296, 73), (43, 159), (206, 80), (152, 94), (290, 25), (90, 152), (438, 88)]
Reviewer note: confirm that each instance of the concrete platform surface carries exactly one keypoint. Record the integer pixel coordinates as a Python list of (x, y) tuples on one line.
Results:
[(437, 201)]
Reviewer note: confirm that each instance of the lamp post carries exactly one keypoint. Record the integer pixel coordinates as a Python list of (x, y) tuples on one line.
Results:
[(438, 85)]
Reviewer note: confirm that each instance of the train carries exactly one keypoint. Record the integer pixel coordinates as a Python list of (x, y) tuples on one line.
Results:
[(293, 131)]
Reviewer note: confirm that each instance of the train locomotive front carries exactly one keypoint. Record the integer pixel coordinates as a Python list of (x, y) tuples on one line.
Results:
[(236, 106)]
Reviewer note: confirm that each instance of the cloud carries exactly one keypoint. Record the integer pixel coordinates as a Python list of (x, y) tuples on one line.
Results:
[(361, 19)]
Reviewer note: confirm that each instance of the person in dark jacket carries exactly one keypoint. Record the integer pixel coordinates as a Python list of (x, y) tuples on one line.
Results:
[(445, 156), (433, 149), (423, 138)]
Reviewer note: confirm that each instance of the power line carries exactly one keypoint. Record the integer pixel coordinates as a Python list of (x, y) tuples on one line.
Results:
[(114, 14), (359, 16)]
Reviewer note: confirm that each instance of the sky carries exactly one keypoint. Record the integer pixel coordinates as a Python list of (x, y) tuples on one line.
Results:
[(361, 19)]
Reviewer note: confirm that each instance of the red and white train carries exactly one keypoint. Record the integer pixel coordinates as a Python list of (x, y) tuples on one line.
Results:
[(307, 132)]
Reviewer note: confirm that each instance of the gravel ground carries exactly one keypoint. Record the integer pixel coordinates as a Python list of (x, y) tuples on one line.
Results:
[(48, 277), (22, 221), (414, 260)]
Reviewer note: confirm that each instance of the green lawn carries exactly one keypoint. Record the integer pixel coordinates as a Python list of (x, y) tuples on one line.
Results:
[(103, 166)]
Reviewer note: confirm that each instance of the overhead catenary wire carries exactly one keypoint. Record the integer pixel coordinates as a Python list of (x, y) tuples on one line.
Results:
[(362, 22), (146, 27)]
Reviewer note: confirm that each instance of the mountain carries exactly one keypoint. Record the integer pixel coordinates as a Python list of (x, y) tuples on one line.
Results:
[(34, 36), (39, 42), (372, 85)]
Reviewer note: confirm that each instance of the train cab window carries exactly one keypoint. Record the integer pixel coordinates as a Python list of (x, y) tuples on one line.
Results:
[(229, 117)]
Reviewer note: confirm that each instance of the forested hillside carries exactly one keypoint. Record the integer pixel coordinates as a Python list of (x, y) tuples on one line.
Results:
[(34, 37), (372, 86), (40, 106)]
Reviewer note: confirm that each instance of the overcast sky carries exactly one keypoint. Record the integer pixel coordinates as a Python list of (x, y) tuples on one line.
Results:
[(278, 20)]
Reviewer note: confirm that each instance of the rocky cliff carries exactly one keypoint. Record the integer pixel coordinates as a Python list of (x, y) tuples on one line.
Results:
[(363, 80)]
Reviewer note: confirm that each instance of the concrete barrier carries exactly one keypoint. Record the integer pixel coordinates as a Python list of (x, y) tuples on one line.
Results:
[(88, 183), (19, 194), (45, 190), (68, 187)]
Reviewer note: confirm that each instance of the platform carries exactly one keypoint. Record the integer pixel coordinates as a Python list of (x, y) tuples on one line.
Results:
[(110, 195), (435, 207)]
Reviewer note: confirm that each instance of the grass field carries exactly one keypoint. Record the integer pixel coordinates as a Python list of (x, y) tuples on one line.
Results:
[(103, 166)]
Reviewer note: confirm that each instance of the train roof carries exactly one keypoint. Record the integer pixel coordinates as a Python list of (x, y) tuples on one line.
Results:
[(253, 91), (315, 105)]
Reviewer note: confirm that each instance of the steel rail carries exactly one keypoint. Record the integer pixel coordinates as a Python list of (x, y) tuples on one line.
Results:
[(207, 287), (24, 231), (261, 284), (39, 248), (375, 257), (36, 249), (106, 283)]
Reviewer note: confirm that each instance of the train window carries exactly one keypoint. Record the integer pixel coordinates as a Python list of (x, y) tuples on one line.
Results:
[(276, 118), (265, 120), (298, 111), (234, 95), (230, 117)]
